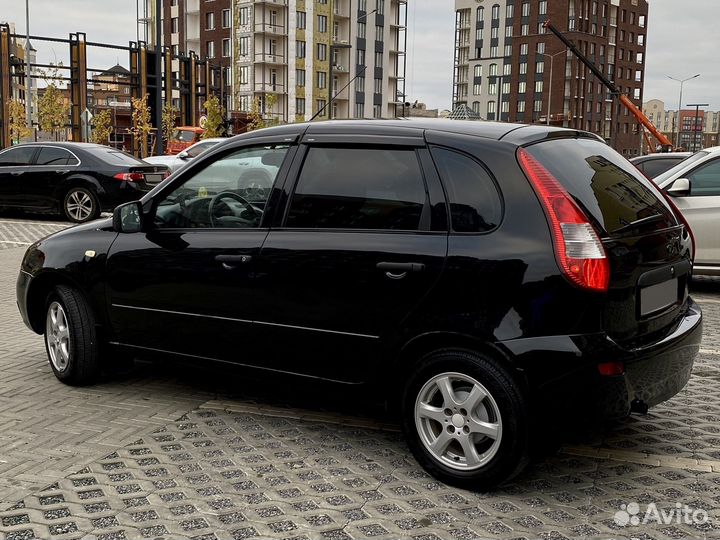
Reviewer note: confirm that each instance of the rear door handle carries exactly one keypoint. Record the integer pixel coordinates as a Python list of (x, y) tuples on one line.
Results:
[(17, 173), (396, 270), (232, 261), (64, 171)]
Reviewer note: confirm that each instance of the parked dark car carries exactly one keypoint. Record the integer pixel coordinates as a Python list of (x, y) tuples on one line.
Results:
[(78, 180), (477, 273), (653, 165)]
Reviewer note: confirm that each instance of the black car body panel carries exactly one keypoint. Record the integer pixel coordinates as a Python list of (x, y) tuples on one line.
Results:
[(354, 305)]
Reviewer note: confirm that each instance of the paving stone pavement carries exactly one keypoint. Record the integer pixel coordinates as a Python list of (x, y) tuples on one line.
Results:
[(153, 455)]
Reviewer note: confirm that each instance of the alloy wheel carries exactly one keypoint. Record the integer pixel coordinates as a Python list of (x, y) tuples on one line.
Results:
[(458, 421), (57, 336), (79, 205)]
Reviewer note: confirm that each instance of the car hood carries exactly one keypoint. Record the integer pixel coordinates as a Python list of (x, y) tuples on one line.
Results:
[(161, 160)]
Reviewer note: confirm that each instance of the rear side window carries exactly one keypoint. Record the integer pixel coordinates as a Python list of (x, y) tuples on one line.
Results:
[(705, 180), (475, 204), (17, 156), (607, 187), (50, 155), (359, 188), (116, 157), (654, 167)]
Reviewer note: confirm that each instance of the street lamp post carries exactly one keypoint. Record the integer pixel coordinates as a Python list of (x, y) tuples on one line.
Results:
[(697, 113), (28, 78), (552, 58), (681, 81)]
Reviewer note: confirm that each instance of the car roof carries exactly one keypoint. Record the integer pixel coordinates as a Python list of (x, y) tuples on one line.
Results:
[(515, 133), (661, 155), (64, 144)]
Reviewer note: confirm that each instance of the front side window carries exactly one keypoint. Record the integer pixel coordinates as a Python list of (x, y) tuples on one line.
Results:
[(229, 193), (17, 156), (197, 149), (359, 188)]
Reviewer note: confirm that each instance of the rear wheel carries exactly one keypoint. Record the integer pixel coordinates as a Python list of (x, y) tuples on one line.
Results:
[(465, 419), (80, 205), (71, 338)]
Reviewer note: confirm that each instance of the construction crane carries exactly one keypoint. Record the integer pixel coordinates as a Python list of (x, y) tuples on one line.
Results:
[(665, 143)]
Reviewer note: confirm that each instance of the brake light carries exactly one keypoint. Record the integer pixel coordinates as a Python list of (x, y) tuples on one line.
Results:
[(611, 369), (679, 215), (578, 249), (130, 177)]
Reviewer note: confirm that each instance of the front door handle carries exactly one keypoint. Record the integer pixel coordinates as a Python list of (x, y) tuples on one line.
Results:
[(397, 270), (232, 261), (17, 173), (64, 171)]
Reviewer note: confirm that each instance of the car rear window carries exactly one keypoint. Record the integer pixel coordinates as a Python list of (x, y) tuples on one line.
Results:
[(116, 157), (609, 188)]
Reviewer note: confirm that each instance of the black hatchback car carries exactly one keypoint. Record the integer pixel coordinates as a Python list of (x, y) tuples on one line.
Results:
[(474, 272), (78, 180)]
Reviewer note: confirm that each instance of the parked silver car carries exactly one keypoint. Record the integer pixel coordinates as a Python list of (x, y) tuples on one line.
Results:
[(177, 161), (694, 185)]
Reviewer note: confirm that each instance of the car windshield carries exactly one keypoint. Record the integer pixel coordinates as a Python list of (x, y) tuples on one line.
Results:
[(199, 148), (684, 163), (184, 135), (115, 157)]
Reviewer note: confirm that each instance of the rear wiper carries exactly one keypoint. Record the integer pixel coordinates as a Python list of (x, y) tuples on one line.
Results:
[(638, 222)]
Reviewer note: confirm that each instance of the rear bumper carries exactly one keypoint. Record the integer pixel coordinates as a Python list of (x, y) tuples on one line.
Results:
[(565, 372), (122, 192)]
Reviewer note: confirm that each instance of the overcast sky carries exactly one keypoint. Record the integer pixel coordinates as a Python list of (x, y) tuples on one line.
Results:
[(682, 41)]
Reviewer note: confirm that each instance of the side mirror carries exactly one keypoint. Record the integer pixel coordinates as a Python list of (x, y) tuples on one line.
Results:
[(679, 188), (183, 155), (128, 217)]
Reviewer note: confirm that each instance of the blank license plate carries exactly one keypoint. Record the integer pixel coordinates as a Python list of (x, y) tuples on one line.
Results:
[(154, 178), (658, 297)]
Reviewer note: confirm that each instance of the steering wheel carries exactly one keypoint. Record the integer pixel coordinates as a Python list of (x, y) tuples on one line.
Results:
[(231, 195)]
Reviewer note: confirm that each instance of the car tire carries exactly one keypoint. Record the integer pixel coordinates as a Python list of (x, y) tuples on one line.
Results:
[(465, 419), (80, 205), (71, 340)]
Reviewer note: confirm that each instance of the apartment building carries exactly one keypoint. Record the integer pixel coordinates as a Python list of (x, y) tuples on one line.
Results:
[(509, 68), (692, 129), (290, 57)]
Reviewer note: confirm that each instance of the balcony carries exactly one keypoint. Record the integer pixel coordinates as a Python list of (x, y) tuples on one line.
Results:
[(270, 88), (272, 2), (268, 58), (267, 28)]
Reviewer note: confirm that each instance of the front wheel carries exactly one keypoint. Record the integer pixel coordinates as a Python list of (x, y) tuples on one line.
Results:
[(71, 338), (81, 205), (465, 419)]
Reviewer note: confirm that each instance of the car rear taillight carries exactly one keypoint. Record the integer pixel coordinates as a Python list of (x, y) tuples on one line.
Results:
[(130, 177), (578, 249), (679, 215)]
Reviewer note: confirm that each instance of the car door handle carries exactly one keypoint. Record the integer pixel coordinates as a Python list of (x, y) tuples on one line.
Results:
[(396, 270), (17, 173), (64, 171), (232, 261)]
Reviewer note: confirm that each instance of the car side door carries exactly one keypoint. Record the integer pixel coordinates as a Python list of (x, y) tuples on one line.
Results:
[(184, 285), (355, 252), (15, 164), (41, 184), (701, 209)]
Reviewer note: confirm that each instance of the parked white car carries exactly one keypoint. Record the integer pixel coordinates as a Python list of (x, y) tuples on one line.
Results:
[(694, 185), (177, 161)]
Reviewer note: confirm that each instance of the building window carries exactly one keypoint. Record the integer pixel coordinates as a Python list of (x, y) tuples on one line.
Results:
[(244, 45), (322, 79), (507, 69), (361, 57), (523, 68), (359, 110), (301, 20), (176, 50), (639, 58), (320, 105), (539, 67), (524, 49), (244, 74), (378, 86), (380, 6), (174, 25), (539, 87), (377, 111), (540, 47), (226, 47), (226, 18), (378, 59), (493, 70), (542, 7), (300, 76), (508, 50), (379, 32), (522, 87), (508, 11), (537, 105), (322, 23), (477, 70), (493, 51), (508, 31), (210, 47), (243, 16), (524, 29), (210, 21), (361, 29), (299, 105), (496, 11), (526, 9), (492, 89), (300, 49), (494, 33), (491, 107), (322, 51), (477, 89), (521, 106)]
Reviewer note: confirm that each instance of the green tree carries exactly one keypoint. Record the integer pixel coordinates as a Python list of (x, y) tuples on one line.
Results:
[(18, 127), (141, 127), (214, 125), (169, 119), (101, 127), (53, 110), (256, 117)]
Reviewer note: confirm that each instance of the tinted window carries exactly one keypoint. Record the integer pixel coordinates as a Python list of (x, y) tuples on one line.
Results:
[(697, 156), (475, 204), (359, 188), (17, 156), (50, 155), (607, 186), (705, 180), (116, 157), (199, 148), (654, 167), (230, 192)]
